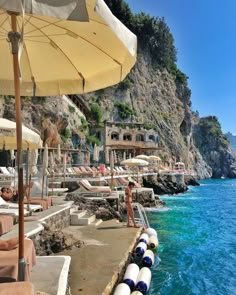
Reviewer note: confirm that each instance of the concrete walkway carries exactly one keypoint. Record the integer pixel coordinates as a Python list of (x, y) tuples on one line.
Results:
[(96, 265)]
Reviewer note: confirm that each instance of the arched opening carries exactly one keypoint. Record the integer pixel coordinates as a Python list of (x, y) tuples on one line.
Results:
[(151, 138), (127, 137), (115, 136), (139, 137)]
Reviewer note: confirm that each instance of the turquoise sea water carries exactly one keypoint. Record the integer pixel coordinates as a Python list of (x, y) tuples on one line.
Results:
[(197, 235)]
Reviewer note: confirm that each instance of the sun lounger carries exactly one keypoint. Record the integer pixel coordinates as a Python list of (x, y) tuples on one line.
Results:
[(4, 204), (12, 211), (85, 184), (9, 261), (6, 224), (17, 288)]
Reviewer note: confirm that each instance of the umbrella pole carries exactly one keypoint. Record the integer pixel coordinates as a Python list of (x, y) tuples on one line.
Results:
[(14, 38)]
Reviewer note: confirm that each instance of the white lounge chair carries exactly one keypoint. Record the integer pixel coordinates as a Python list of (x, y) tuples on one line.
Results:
[(5, 172), (12, 211), (10, 205)]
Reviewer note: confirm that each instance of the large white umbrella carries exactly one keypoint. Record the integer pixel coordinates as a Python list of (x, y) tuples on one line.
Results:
[(143, 157), (54, 56), (65, 57), (30, 139), (134, 162)]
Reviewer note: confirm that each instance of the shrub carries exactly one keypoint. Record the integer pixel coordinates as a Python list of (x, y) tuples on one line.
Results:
[(92, 139), (125, 84), (66, 134), (124, 110), (96, 112), (71, 109)]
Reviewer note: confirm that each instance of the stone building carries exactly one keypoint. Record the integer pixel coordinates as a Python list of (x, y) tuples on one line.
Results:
[(127, 140)]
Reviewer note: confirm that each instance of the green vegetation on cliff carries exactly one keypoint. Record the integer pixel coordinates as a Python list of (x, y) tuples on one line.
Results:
[(153, 35)]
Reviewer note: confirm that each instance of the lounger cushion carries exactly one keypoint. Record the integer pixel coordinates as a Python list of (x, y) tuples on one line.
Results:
[(17, 288)]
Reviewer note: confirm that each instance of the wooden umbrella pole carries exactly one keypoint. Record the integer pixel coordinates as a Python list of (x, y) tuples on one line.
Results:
[(14, 38)]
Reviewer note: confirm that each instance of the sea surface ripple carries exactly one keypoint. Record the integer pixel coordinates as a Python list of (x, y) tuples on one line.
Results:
[(197, 236)]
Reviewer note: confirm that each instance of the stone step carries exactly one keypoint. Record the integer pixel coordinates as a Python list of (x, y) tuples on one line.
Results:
[(86, 220), (96, 222), (81, 218)]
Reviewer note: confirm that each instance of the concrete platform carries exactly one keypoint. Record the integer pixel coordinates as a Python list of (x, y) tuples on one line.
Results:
[(50, 274), (95, 266)]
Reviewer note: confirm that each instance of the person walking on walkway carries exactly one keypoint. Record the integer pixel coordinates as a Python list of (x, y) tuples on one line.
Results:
[(128, 200)]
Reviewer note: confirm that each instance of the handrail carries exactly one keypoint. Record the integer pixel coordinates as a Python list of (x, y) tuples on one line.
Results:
[(142, 219)]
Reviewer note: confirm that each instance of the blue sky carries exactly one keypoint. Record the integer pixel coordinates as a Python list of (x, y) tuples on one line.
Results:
[(205, 39)]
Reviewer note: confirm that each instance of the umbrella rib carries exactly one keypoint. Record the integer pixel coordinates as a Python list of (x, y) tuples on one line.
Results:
[(52, 42), (68, 30)]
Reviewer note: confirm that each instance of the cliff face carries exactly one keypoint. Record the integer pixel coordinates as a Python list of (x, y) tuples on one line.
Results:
[(159, 102), (154, 98), (215, 148)]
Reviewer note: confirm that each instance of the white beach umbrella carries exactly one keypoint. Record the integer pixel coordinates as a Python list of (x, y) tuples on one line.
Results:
[(124, 156), (134, 162), (52, 163), (45, 161), (95, 153), (12, 155), (143, 157), (58, 154), (33, 162), (30, 139)]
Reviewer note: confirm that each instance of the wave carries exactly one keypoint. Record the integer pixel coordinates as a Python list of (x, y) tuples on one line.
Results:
[(157, 209)]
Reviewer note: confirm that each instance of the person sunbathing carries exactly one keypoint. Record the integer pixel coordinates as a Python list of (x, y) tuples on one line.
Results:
[(9, 244), (9, 195)]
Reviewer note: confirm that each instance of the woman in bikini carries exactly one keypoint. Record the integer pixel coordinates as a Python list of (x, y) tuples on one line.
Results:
[(130, 211)]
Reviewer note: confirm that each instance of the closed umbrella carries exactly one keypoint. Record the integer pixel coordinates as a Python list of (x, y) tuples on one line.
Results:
[(112, 169), (53, 56), (59, 154), (64, 162), (95, 153), (52, 167), (124, 156), (44, 166)]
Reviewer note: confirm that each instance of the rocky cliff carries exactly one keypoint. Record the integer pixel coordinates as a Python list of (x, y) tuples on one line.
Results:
[(155, 93)]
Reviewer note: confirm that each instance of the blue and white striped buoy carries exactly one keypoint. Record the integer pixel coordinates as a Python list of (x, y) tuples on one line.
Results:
[(153, 242), (131, 275), (140, 249), (148, 258), (122, 289), (144, 238), (144, 279), (151, 232)]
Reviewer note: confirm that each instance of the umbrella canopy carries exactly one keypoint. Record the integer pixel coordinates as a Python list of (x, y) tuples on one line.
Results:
[(30, 139), (67, 57), (134, 162), (73, 10), (155, 158), (143, 157)]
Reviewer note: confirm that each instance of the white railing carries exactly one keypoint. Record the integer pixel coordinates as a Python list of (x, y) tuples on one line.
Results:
[(142, 219)]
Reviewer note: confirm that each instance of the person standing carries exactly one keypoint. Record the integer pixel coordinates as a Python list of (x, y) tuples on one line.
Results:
[(128, 200)]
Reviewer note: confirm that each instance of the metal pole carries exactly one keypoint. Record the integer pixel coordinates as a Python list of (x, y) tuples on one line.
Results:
[(14, 38)]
